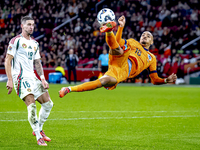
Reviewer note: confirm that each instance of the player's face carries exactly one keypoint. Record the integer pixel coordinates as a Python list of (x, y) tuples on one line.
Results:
[(71, 51), (104, 51), (146, 39), (28, 26)]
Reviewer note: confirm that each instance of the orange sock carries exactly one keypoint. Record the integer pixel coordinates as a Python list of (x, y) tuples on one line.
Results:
[(87, 86), (111, 40)]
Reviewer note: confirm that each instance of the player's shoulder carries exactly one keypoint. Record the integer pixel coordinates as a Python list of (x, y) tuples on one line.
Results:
[(34, 41), (12, 41), (131, 40), (152, 55)]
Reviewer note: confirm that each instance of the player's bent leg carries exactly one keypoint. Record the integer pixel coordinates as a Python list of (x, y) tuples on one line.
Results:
[(32, 118), (116, 51), (108, 81), (112, 43), (46, 106)]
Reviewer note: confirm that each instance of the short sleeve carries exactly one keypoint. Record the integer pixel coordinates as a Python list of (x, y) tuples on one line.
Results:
[(37, 53), (100, 58), (12, 47)]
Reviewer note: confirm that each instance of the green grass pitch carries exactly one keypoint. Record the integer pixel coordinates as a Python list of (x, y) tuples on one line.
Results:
[(129, 117)]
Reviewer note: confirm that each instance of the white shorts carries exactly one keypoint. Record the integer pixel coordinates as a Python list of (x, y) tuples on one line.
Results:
[(28, 85)]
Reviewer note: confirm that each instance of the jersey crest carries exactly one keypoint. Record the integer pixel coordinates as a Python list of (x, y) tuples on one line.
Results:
[(149, 57), (24, 45)]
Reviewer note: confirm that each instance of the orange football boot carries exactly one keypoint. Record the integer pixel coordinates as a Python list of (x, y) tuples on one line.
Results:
[(63, 92), (108, 27)]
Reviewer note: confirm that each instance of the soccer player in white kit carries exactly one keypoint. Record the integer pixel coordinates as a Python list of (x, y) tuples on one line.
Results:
[(23, 51)]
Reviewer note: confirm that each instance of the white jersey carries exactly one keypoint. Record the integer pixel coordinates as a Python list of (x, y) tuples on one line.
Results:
[(24, 52)]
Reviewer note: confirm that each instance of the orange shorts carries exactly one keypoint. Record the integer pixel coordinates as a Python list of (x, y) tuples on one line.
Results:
[(119, 68)]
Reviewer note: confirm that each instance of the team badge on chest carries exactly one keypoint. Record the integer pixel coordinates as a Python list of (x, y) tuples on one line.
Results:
[(149, 57), (24, 45)]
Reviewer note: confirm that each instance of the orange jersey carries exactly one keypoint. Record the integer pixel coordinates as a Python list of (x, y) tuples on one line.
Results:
[(140, 58), (138, 54)]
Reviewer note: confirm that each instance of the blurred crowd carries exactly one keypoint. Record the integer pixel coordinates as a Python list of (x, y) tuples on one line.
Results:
[(173, 23)]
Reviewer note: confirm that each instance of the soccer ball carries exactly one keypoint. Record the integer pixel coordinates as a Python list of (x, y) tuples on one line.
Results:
[(105, 15)]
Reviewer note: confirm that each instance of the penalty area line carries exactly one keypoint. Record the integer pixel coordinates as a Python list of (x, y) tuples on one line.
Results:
[(104, 118)]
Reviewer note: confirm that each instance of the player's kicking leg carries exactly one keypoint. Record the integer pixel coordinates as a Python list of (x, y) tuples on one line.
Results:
[(88, 86), (32, 118), (105, 80), (46, 106), (108, 27)]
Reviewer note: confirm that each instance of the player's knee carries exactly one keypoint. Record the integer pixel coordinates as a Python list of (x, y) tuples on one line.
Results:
[(116, 51), (103, 81), (108, 81), (48, 105)]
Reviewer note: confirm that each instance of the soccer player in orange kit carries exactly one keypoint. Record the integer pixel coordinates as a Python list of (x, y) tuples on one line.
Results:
[(127, 59)]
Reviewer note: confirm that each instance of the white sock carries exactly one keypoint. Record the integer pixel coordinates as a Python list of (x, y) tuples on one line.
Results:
[(32, 118), (44, 113), (70, 89), (37, 134)]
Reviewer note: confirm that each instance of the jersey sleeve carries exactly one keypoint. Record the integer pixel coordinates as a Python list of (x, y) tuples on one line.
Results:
[(119, 39), (100, 58), (37, 53), (12, 47), (152, 68), (153, 74)]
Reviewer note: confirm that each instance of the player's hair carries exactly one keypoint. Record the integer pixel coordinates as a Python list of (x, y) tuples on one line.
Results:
[(25, 18)]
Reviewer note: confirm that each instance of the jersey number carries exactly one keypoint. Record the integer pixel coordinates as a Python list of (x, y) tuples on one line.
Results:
[(30, 54), (26, 84), (138, 52)]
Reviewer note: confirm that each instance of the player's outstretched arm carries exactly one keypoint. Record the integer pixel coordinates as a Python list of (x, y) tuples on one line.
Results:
[(172, 78), (122, 21), (157, 80), (40, 72), (119, 39), (9, 84)]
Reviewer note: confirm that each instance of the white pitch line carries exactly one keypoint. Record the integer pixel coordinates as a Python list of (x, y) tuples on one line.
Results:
[(121, 111), (12, 112), (104, 118)]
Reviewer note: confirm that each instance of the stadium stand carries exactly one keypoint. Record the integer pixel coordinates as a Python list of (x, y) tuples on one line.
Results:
[(173, 24)]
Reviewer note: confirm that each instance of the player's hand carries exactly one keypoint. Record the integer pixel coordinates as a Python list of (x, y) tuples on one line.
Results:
[(45, 84), (9, 85), (122, 21), (172, 78)]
